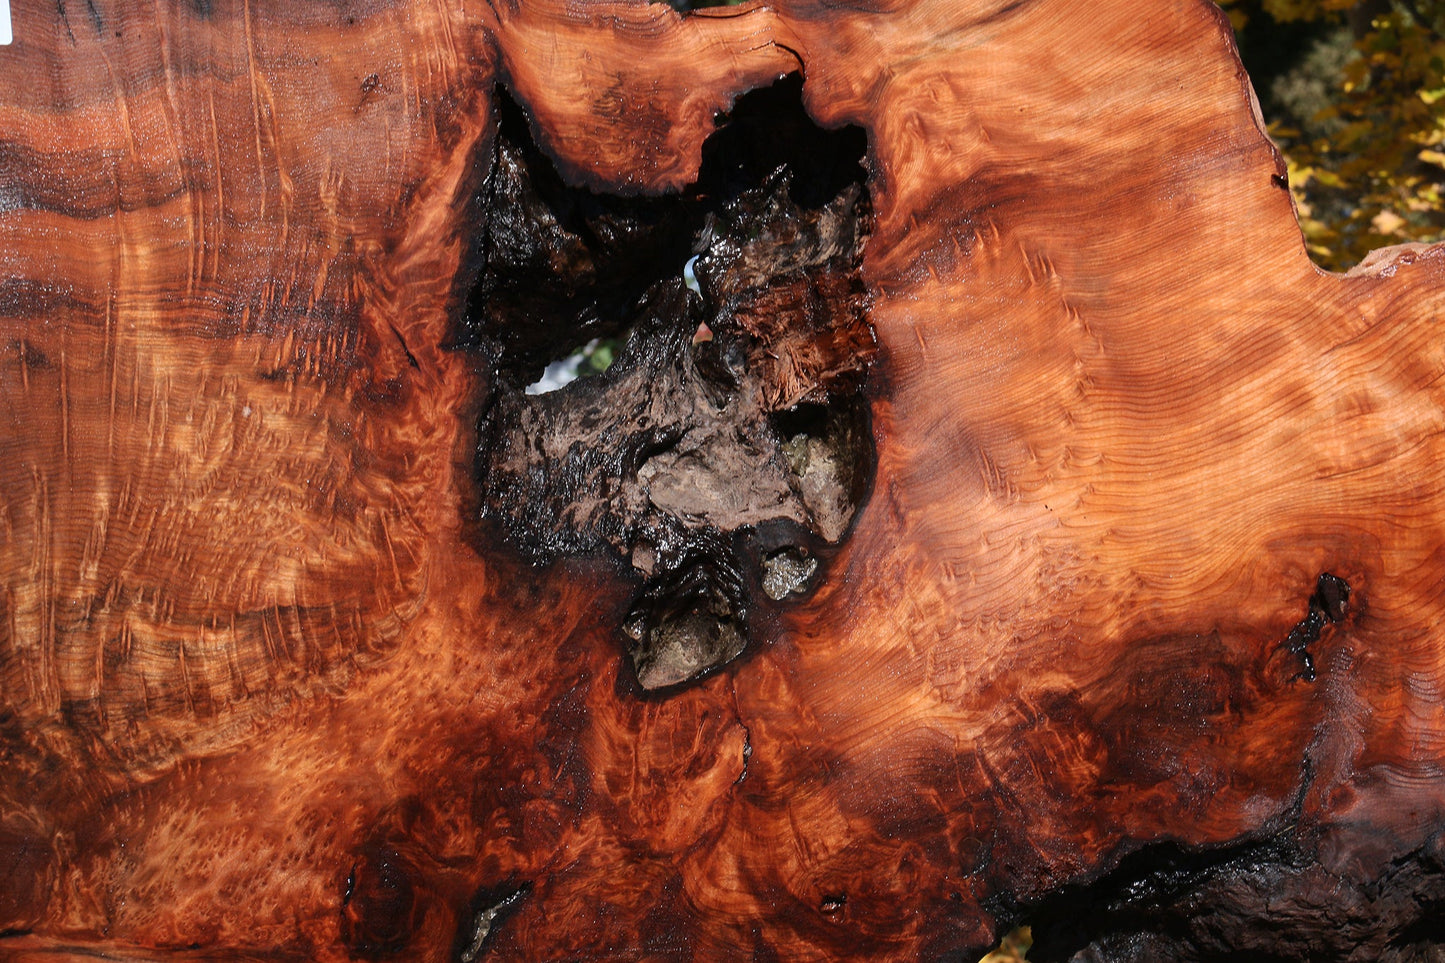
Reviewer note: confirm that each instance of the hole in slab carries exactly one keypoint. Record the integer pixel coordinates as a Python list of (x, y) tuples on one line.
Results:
[(1329, 604), (787, 572), (488, 910), (827, 449), (586, 360), (686, 643), (731, 328), (689, 618)]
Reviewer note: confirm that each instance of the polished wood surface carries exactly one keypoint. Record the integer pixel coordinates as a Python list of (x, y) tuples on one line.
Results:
[(268, 691)]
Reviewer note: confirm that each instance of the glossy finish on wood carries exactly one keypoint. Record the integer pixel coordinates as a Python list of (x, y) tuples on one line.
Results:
[(270, 689)]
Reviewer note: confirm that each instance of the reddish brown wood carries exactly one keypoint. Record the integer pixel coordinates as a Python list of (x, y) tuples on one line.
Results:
[(271, 689)]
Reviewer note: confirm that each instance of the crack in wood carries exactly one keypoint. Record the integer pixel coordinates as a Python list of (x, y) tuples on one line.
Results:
[(1328, 605)]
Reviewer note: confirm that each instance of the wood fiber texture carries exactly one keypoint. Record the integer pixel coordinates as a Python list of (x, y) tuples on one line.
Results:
[(272, 688)]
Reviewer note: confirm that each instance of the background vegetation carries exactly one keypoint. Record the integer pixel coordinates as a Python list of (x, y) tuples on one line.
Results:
[(1354, 93)]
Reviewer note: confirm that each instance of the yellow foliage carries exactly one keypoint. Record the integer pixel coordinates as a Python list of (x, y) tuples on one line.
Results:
[(1372, 172), (1013, 947)]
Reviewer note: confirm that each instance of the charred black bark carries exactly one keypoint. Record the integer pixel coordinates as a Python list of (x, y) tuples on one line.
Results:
[(1260, 900)]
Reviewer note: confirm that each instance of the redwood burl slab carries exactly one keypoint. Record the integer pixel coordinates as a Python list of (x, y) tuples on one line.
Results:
[(1013, 524)]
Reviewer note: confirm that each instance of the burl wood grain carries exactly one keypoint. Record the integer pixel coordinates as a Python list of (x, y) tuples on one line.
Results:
[(267, 690)]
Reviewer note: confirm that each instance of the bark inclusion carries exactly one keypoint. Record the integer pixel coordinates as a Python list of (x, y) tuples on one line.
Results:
[(723, 454)]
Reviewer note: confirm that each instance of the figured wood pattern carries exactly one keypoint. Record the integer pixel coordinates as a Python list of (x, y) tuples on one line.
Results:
[(267, 691)]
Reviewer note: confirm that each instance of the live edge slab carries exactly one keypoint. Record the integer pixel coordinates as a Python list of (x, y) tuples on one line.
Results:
[(990, 514)]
